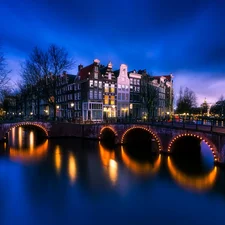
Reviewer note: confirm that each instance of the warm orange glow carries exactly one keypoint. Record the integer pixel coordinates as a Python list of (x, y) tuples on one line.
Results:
[(13, 136), (20, 137), (109, 162), (4, 146), (108, 127), (58, 159), (30, 124), (28, 155), (140, 168), (72, 168), (31, 136), (195, 183)]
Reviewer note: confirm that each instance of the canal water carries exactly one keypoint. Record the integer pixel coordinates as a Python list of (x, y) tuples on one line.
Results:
[(74, 181)]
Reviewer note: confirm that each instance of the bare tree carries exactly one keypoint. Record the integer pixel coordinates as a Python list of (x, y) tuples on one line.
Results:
[(149, 94), (187, 101), (4, 72), (42, 70)]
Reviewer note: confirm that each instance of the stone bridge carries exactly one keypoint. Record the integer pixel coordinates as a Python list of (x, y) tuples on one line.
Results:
[(164, 136)]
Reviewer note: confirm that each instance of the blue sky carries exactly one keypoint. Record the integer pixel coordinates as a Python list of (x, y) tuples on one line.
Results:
[(185, 38)]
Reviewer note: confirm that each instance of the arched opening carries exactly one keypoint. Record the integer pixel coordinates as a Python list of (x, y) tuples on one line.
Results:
[(193, 155), (108, 135), (141, 138), (42, 131)]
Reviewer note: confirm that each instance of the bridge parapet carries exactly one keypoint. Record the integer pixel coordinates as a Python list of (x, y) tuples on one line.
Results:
[(164, 135)]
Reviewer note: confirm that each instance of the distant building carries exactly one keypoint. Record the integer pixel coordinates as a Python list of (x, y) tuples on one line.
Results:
[(135, 94), (109, 91), (90, 83), (123, 92)]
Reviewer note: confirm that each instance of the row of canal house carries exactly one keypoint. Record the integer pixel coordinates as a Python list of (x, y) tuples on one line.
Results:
[(97, 92)]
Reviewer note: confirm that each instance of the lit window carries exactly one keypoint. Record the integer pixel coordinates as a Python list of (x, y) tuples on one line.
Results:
[(100, 95), (100, 84), (106, 99), (106, 87), (119, 87), (109, 76), (123, 87), (112, 100), (96, 75), (112, 88), (91, 83), (95, 94), (91, 94), (96, 83)]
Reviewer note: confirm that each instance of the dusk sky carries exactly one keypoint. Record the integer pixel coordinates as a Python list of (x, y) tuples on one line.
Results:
[(185, 38)]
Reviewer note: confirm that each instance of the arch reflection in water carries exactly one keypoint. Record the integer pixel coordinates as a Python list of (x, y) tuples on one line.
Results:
[(72, 168), (193, 183), (109, 162), (140, 168), (29, 155)]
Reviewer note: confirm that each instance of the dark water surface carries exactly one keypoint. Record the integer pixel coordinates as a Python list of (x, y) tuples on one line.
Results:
[(73, 181)]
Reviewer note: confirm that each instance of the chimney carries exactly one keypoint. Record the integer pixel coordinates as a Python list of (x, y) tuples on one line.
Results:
[(80, 67)]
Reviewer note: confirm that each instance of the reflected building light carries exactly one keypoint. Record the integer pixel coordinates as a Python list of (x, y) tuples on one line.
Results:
[(72, 168), (13, 135), (20, 137), (31, 139), (113, 170), (58, 159), (29, 155), (109, 163), (194, 183), (4, 146), (140, 168)]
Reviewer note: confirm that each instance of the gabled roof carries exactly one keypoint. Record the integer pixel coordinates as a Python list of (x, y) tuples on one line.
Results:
[(168, 77), (84, 72)]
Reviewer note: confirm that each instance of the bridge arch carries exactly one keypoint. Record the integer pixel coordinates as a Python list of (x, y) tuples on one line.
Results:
[(151, 132), (105, 128), (201, 138), (27, 124)]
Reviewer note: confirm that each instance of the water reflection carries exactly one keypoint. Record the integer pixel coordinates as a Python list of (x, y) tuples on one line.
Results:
[(29, 155), (195, 183), (58, 160), (140, 168), (109, 162), (25, 150), (72, 168)]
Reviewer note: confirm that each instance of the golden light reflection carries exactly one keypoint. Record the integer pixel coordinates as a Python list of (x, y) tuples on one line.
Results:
[(58, 160), (29, 155), (141, 168), (72, 168), (13, 135), (31, 137), (20, 137), (194, 183), (4, 146), (109, 162)]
